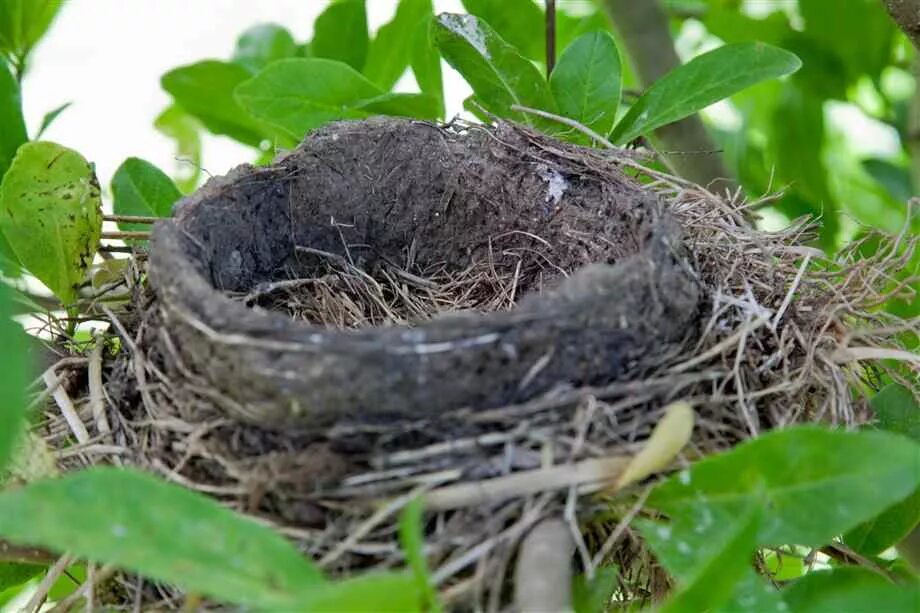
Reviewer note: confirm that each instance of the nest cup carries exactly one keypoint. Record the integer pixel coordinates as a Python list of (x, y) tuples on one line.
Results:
[(597, 265), (483, 316)]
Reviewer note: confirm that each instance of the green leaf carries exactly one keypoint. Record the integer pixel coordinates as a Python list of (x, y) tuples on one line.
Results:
[(872, 537), (421, 106), (140, 188), (716, 575), (850, 589), (897, 411), (13, 574), (594, 596), (298, 95), (499, 75), (23, 23), (426, 63), (390, 51), (12, 135), (175, 123), (162, 531), (12, 124), (262, 44), (835, 30), (205, 90), (586, 81), (412, 541), (814, 483), (12, 378), (701, 82), (370, 593), (50, 212), (340, 33), (520, 22), (894, 178), (49, 118)]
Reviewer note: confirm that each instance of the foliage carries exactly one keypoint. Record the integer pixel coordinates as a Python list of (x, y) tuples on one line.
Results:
[(779, 71)]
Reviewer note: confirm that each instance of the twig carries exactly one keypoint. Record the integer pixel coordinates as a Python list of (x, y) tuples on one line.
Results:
[(550, 36), (852, 354), (543, 577), (131, 218), (372, 522), (491, 491), (62, 399), (96, 394), (788, 299), (567, 122), (607, 547), (41, 592), (85, 590), (126, 235)]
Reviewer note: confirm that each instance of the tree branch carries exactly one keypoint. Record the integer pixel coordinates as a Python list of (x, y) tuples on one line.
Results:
[(643, 28), (906, 13)]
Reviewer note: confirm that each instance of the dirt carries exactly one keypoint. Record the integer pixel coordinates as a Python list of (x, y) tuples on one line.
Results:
[(600, 286)]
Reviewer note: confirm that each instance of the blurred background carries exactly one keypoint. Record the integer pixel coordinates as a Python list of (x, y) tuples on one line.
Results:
[(834, 140)]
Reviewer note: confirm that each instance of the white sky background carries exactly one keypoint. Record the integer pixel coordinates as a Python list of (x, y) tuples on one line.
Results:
[(106, 56)]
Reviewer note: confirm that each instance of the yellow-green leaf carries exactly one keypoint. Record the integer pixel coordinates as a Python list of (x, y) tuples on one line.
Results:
[(50, 213)]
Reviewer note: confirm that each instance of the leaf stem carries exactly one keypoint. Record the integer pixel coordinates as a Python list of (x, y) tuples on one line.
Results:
[(126, 235)]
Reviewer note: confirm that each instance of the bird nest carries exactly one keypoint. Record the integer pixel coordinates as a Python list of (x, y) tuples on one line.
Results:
[(481, 316)]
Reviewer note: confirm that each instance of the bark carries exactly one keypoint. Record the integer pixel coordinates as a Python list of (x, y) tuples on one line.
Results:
[(906, 13), (643, 28)]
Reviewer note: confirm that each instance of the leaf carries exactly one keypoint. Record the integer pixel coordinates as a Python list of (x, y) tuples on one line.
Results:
[(175, 123), (299, 95), (594, 596), (49, 118), (814, 483), (262, 44), (50, 212), (205, 90), (835, 30), (140, 188), (340, 33), (12, 124), (370, 593), (12, 378), (894, 178), (586, 81), (897, 411), (520, 22), (162, 531), (13, 574), (872, 537), (701, 82), (426, 64), (412, 541), (23, 23), (12, 135), (390, 51), (716, 577), (421, 106), (667, 439), (849, 589), (499, 75)]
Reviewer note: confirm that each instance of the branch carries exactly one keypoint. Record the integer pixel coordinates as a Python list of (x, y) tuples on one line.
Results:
[(643, 28), (906, 13)]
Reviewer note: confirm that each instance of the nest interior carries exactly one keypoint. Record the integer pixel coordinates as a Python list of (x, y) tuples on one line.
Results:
[(398, 307)]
